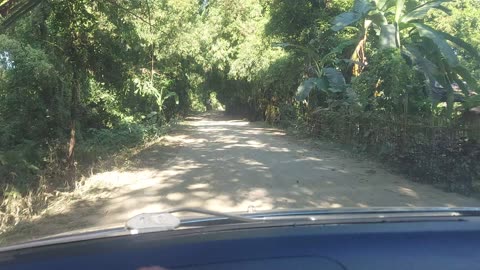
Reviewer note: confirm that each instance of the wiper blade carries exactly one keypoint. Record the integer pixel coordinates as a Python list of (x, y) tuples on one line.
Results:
[(150, 223), (446, 211), (212, 213), (165, 221)]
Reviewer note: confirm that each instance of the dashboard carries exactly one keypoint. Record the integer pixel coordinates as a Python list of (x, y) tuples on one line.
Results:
[(442, 244)]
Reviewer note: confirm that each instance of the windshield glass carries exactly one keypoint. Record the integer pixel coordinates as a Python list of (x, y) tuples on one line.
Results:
[(109, 109)]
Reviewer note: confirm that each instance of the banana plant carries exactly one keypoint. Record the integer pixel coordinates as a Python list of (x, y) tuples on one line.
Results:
[(326, 79), (430, 51), (376, 14), (330, 80), (155, 87)]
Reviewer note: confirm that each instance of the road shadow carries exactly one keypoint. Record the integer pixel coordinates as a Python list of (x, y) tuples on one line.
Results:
[(227, 164)]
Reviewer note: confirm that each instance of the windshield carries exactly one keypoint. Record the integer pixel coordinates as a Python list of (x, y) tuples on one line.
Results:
[(109, 109)]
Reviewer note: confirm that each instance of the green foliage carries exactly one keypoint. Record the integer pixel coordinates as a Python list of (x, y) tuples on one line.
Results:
[(463, 24), (408, 26), (101, 66), (360, 9), (100, 143), (310, 84), (389, 85), (29, 84), (20, 165), (332, 81), (114, 73)]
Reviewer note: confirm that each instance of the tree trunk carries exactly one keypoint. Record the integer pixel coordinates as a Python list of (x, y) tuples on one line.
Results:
[(74, 117), (359, 52)]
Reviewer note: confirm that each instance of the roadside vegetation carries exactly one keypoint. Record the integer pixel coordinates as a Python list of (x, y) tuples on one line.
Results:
[(81, 81)]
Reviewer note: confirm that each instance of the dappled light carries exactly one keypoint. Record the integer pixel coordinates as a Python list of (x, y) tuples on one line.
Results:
[(258, 171), (233, 106)]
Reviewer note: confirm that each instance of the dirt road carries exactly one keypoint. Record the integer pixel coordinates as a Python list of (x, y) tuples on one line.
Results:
[(223, 164)]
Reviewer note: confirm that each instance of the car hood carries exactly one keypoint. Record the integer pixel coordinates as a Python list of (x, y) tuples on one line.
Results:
[(213, 220)]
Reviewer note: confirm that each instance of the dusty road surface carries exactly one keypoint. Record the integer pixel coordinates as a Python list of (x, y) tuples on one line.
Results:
[(224, 164)]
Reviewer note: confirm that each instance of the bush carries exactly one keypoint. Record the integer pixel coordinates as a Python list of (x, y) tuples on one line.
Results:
[(389, 85), (30, 173)]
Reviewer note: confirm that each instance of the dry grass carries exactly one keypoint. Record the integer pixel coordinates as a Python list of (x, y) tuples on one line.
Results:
[(52, 198)]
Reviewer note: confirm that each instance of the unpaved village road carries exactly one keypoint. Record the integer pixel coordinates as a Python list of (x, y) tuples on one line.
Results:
[(222, 164)]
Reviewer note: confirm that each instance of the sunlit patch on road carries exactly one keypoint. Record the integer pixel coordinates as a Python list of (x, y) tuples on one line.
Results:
[(232, 165)]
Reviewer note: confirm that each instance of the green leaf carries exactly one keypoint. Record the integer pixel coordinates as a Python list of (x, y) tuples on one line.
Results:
[(399, 10), (462, 44), (360, 10), (421, 63), (439, 40), (305, 49), (462, 85), (304, 89), (353, 62), (32, 167), (308, 85), (387, 37), (472, 102), (362, 6), (438, 94), (345, 19), (342, 45), (335, 78), (171, 94), (425, 66), (378, 18), (384, 4), (421, 11), (283, 45), (466, 76)]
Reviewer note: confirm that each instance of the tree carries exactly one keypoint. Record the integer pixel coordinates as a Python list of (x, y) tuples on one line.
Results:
[(406, 30)]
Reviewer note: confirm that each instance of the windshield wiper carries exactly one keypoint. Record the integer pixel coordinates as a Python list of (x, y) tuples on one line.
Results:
[(165, 221)]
